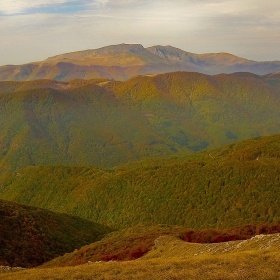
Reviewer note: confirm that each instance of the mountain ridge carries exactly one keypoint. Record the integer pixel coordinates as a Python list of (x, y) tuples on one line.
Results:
[(123, 61), (104, 123)]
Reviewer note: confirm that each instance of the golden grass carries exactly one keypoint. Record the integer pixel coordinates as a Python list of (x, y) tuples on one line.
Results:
[(172, 247), (251, 263)]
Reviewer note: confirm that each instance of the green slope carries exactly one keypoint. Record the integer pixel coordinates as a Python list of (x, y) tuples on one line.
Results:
[(84, 126), (104, 123), (30, 236), (199, 191)]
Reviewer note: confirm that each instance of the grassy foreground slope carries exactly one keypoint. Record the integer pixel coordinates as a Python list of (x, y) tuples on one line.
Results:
[(30, 236), (173, 259), (133, 243), (198, 191), (170, 247), (105, 123)]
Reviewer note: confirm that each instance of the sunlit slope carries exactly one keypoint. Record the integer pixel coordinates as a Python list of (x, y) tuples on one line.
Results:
[(84, 126), (123, 55), (252, 260), (104, 123), (200, 191), (123, 245), (149, 241), (213, 63), (121, 62), (30, 236), (199, 111), (171, 247)]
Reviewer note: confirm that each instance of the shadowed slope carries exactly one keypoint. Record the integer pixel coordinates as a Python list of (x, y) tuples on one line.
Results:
[(30, 236)]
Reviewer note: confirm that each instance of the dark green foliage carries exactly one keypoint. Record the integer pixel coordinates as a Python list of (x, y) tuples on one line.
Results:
[(30, 236), (230, 135), (232, 186)]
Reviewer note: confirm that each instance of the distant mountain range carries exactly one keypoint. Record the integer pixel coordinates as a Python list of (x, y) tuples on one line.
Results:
[(121, 62), (104, 123)]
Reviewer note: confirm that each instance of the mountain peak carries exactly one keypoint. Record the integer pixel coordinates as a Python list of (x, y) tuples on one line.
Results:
[(121, 48), (107, 50), (167, 52), (123, 61)]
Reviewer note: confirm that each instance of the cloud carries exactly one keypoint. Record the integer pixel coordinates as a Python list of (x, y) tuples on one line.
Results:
[(13, 7), (101, 2), (19, 6)]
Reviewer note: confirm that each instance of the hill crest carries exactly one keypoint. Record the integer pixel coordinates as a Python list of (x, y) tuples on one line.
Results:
[(123, 61), (105, 123)]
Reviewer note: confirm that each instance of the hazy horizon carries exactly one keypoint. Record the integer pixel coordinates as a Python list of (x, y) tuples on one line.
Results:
[(34, 31)]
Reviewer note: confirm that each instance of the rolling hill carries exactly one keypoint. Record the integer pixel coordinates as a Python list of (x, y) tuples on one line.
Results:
[(105, 123), (198, 191), (121, 62), (30, 236), (139, 242), (172, 258)]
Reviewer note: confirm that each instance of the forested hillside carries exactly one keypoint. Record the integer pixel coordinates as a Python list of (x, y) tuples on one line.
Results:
[(105, 123), (30, 236), (232, 186)]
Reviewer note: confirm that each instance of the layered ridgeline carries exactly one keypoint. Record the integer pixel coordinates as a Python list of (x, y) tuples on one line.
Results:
[(124, 61), (231, 186), (30, 236), (104, 123)]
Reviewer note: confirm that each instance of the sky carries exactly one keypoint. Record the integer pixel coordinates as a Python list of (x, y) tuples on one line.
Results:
[(32, 30)]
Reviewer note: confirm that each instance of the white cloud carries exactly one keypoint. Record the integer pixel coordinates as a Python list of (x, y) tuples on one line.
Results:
[(18, 6), (101, 2)]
